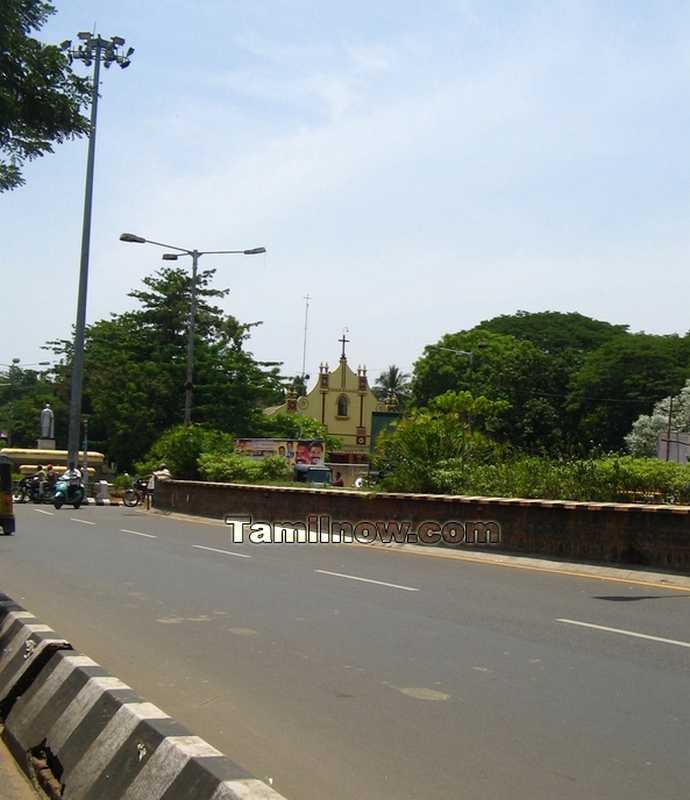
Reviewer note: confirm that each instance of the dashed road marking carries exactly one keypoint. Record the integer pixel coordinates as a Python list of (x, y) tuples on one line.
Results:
[(41, 511), (82, 521), (624, 632), (224, 552), (138, 533), (367, 580)]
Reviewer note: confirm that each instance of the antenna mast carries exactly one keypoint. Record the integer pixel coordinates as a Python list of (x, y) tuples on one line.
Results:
[(307, 298)]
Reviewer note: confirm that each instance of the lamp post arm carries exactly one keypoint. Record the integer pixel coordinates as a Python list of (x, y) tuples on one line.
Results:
[(169, 246)]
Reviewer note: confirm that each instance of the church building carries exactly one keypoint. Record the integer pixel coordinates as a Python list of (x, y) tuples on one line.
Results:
[(342, 400)]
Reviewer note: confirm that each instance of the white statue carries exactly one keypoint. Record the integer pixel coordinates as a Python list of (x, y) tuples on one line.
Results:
[(47, 423)]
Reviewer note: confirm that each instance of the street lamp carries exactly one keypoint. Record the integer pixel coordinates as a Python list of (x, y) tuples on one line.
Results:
[(195, 254), (91, 49), (459, 352)]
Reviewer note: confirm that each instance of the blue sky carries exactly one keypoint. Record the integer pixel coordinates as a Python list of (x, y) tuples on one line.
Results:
[(415, 167)]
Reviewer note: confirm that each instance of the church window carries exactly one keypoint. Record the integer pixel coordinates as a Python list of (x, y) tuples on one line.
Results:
[(342, 406)]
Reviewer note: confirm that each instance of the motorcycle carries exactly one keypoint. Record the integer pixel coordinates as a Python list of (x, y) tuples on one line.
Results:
[(33, 489), (70, 491)]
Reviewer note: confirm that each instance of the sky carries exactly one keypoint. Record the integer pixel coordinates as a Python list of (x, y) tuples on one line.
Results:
[(414, 167)]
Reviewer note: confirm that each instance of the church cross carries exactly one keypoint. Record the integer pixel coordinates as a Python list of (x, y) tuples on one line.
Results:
[(344, 341)]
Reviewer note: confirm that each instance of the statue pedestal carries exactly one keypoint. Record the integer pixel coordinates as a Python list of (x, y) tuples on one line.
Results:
[(45, 444)]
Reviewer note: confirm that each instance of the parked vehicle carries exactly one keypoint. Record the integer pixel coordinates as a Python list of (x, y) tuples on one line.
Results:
[(68, 490), (6, 510), (33, 488), (318, 477), (137, 494), (22, 491)]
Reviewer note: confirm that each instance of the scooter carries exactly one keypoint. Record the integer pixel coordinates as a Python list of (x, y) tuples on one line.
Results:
[(69, 491)]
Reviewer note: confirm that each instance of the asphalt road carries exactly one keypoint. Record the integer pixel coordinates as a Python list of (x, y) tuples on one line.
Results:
[(431, 678)]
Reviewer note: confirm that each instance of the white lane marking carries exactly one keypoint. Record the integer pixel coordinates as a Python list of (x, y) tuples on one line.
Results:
[(624, 632), (367, 580), (137, 533), (41, 511), (225, 552), (83, 521)]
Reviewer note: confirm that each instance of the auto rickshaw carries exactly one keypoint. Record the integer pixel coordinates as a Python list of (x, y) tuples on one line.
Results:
[(6, 510)]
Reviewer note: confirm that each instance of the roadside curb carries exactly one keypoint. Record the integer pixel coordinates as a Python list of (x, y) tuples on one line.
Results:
[(575, 569), (80, 732)]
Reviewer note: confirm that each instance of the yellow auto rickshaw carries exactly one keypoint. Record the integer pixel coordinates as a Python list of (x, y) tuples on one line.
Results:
[(6, 510)]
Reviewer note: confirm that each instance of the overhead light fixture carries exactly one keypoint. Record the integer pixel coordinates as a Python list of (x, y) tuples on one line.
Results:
[(130, 52), (118, 40), (124, 64), (132, 237), (66, 44), (84, 36)]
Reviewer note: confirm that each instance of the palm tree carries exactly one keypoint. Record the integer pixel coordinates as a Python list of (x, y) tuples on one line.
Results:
[(393, 382)]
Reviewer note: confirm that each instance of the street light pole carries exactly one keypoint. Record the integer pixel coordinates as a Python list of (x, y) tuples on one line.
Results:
[(189, 383), (93, 49), (196, 255)]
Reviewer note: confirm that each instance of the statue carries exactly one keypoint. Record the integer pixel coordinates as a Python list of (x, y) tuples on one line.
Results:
[(47, 423)]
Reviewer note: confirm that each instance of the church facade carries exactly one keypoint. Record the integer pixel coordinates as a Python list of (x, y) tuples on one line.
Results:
[(342, 400)]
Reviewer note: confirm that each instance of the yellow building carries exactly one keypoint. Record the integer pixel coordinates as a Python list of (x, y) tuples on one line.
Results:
[(344, 403)]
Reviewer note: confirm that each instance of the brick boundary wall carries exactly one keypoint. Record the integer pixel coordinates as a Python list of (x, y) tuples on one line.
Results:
[(647, 535)]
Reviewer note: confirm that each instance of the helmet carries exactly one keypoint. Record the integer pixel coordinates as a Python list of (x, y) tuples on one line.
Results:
[(50, 466)]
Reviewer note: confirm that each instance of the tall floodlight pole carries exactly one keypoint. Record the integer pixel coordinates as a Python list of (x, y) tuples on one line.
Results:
[(92, 50), (195, 254)]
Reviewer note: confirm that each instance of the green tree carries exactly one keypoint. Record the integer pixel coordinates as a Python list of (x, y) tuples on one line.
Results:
[(500, 367), (623, 379), (393, 382), (450, 434), (181, 447), (40, 97), (555, 332), (23, 393), (135, 368)]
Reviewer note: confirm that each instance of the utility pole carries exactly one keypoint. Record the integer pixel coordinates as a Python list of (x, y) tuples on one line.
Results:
[(668, 431)]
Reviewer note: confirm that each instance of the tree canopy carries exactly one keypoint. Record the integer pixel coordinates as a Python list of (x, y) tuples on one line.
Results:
[(135, 368), (40, 97)]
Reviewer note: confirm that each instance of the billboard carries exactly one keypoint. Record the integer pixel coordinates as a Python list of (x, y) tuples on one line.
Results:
[(295, 451)]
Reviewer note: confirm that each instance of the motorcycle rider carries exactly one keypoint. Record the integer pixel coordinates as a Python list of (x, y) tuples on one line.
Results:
[(51, 478), (72, 474), (38, 480)]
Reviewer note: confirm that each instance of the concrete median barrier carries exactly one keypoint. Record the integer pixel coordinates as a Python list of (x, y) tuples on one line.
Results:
[(85, 735)]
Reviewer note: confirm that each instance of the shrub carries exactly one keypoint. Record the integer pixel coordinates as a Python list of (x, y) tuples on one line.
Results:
[(180, 448), (234, 468)]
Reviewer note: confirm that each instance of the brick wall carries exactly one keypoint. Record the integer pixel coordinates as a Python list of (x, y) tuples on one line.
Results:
[(650, 535)]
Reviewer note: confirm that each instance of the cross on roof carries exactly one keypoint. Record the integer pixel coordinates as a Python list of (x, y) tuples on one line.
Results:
[(344, 341)]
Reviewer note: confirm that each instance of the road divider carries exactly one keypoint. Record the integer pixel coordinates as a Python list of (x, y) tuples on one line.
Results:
[(82, 733)]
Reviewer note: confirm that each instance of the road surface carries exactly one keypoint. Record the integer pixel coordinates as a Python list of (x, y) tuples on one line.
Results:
[(346, 672)]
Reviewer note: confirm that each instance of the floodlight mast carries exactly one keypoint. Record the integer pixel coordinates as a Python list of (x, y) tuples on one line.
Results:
[(91, 49)]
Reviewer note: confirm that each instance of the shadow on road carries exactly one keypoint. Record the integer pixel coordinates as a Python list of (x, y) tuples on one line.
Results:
[(615, 598)]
